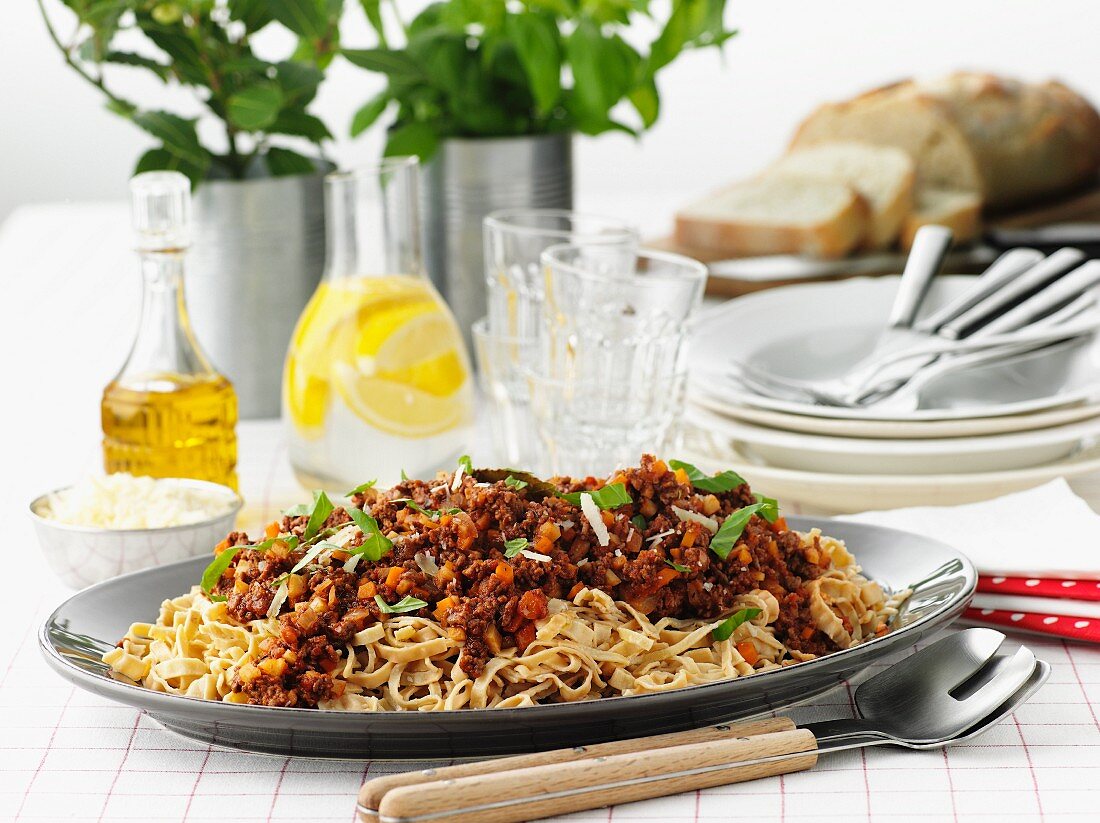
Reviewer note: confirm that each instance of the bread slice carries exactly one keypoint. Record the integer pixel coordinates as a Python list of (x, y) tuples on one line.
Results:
[(882, 174), (901, 117), (960, 211), (777, 214)]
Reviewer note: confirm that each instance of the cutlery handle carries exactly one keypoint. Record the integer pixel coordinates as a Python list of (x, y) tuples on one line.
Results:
[(526, 794), (1005, 268), (372, 792), (1073, 285), (930, 246)]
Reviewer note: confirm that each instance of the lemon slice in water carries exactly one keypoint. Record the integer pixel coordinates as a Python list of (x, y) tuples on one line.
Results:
[(397, 408)]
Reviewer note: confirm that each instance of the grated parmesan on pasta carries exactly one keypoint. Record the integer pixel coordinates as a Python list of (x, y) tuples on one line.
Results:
[(122, 501)]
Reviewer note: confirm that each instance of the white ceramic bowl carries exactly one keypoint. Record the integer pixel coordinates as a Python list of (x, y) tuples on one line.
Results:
[(83, 555)]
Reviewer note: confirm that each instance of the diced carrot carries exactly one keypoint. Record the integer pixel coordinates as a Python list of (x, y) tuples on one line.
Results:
[(393, 575), (367, 590), (780, 524), (659, 467), (748, 651), (807, 632), (607, 517), (222, 546), (444, 606), (689, 538), (681, 477), (550, 531), (543, 545), (402, 587), (573, 592), (505, 572), (525, 636), (617, 479), (676, 553), (744, 556), (272, 529), (666, 576)]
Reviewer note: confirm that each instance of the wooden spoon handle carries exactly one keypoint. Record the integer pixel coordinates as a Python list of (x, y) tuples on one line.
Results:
[(370, 795), (525, 794)]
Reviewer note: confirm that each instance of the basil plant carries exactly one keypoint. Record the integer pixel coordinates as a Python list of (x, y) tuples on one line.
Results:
[(206, 46), (497, 68)]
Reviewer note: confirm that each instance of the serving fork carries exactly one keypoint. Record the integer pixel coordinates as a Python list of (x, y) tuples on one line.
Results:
[(942, 694)]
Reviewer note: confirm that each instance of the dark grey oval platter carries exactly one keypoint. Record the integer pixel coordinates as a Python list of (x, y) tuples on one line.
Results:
[(90, 622)]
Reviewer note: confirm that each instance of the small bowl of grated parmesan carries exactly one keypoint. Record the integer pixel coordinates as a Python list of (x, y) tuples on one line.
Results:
[(108, 525)]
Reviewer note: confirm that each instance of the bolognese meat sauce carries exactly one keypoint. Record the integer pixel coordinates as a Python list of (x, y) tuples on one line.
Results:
[(449, 546)]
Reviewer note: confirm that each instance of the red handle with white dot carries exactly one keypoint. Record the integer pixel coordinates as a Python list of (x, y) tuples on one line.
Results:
[(1035, 587)]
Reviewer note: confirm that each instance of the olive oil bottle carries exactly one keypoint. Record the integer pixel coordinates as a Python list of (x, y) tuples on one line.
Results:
[(168, 413)]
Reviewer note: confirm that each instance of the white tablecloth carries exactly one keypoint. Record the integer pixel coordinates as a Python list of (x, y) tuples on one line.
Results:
[(69, 293)]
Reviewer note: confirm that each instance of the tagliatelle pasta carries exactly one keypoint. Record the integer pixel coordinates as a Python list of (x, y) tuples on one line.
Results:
[(586, 647)]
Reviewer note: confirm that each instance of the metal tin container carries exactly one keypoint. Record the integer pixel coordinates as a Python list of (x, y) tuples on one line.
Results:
[(469, 178), (258, 254)]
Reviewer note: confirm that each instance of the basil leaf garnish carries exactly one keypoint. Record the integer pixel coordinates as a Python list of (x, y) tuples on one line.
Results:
[(467, 465), (404, 476), (362, 487), (405, 604), (213, 573), (730, 624), (639, 522), (297, 511), (769, 507), (609, 497), (322, 508), (514, 482), (515, 546), (723, 542), (290, 540), (376, 544), (679, 567), (722, 482)]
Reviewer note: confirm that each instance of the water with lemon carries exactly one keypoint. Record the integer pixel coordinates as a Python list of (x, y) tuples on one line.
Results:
[(377, 382)]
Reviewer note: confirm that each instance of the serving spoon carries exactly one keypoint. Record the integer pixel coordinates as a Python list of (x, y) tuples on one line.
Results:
[(947, 692)]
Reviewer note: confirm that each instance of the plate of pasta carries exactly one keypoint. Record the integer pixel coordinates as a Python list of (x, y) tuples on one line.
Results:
[(488, 611)]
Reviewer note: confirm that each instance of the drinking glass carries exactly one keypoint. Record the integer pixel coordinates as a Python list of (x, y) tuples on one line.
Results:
[(505, 391), (607, 375), (515, 239)]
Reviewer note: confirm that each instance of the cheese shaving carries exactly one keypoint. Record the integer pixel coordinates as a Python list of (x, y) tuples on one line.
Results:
[(592, 514), (708, 523), (530, 555), (277, 601), (458, 478), (122, 501)]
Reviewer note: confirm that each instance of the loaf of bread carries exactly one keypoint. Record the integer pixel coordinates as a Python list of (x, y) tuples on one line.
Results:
[(882, 175), (960, 211), (1010, 142), (777, 214)]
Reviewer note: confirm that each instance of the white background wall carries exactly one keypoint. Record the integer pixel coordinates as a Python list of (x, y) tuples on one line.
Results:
[(720, 120)]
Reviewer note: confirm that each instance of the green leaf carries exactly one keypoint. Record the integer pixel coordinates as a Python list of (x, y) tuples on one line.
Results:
[(604, 70), (125, 58), (396, 65), (537, 42), (730, 624), (164, 160), (213, 573), (256, 107), (515, 546), (177, 134), (723, 542), (609, 497), (299, 82), (373, 10), (405, 604), (647, 102), (721, 482), (362, 487), (769, 507), (285, 163), (678, 566), (376, 545), (300, 124), (307, 18), (686, 21), (412, 140), (255, 14), (639, 522), (369, 113), (515, 483), (298, 511), (186, 59), (466, 463), (322, 508)]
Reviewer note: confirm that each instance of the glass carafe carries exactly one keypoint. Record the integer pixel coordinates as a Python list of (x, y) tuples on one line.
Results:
[(377, 378), (167, 413)]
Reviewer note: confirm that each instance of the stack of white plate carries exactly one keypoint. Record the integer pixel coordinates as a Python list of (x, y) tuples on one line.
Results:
[(974, 435)]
